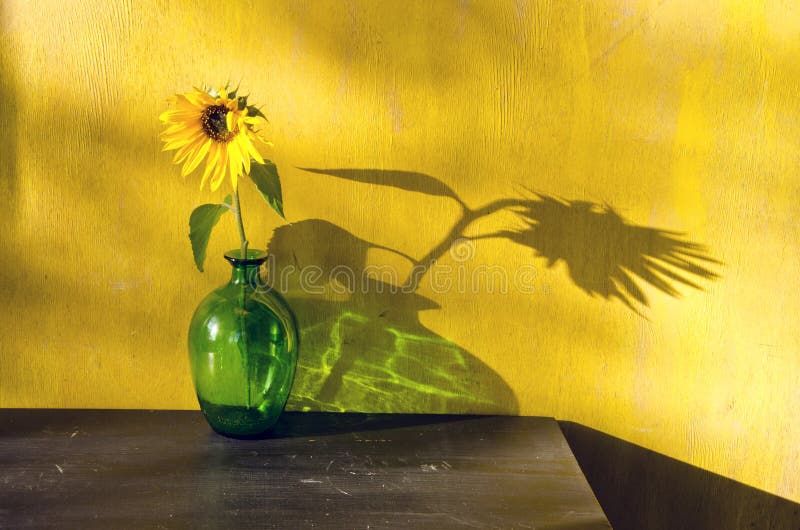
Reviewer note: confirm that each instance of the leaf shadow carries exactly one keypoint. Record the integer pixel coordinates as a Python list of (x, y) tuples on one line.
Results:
[(404, 180)]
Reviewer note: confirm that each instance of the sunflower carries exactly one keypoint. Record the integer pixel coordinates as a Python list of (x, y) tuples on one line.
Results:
[(217, 126)]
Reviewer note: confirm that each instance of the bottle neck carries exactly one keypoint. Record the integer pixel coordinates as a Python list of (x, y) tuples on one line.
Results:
[(246, 275), (246, 271)]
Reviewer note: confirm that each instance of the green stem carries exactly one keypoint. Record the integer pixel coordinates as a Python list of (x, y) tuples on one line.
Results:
[(237, 213)]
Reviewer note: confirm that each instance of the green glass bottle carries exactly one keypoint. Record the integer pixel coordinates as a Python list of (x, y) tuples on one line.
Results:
[(243, 350)]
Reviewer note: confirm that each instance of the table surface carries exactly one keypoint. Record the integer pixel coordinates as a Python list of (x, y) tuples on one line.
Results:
[(167, 469)]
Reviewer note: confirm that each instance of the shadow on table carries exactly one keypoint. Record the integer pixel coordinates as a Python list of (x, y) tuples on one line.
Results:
[(301, 424), (639, 488)]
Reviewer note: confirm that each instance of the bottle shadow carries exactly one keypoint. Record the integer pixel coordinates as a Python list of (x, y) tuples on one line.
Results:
[(363, 347)]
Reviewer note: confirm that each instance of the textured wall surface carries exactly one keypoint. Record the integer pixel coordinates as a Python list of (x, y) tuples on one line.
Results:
[(425, 123)]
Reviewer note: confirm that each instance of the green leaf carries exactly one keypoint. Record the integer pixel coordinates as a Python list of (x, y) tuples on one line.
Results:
[(202, 221), (241, 102), (252, 110), (265, 177)]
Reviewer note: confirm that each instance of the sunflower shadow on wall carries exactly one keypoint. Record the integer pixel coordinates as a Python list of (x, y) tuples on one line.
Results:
[(364, 348), (605, 255)]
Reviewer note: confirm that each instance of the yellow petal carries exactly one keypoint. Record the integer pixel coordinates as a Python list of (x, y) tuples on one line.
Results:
[(213, 157), (219, 173), (188, 149), (180, 141), (193, 161), (176, 133), (262, 139), (243, 152), (174, 128), (188, 101), (235, 161), (176, 115), (251, 150), (207, 99), (195, 98)]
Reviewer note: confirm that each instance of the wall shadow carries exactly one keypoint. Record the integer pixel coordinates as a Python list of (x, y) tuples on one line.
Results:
[(363, 347), (35, 291), (606, 256), (9, 129), (639, 488)]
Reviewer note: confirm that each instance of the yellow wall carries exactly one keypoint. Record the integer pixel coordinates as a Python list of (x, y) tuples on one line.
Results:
[(679, 115)]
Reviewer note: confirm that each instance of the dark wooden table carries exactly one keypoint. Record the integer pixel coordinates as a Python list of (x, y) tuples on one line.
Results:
[(167, 469)]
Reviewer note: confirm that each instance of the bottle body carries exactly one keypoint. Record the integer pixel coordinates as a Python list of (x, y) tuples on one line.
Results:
[(243, 351)]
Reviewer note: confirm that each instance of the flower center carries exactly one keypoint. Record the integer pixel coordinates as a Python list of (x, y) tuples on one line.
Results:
[(214, 125)]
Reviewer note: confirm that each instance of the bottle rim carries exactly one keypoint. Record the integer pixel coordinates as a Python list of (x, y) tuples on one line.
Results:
[(254, 257)]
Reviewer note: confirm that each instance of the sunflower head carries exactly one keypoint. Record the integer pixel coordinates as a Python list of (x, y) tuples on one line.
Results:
[(215, 126)]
